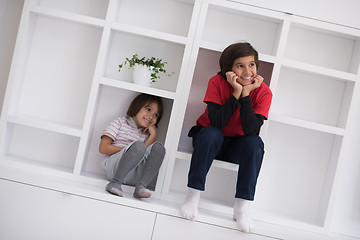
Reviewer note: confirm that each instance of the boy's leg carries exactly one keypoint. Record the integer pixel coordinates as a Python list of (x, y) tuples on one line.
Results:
[(249, 167), (248, 152), (129, 160), (152, 166), (207, 143)]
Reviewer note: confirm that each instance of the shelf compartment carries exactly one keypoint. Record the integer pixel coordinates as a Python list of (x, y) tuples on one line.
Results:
[(310, 68), (91, 8), (297, 172), (172, 17), (207, 66), (67, 16), (298, 96), (55, 82), (123, 45), (324, 48), (38, 147), (119, 100), (149, 33), (44, 125), (307, 124), (262, 27)]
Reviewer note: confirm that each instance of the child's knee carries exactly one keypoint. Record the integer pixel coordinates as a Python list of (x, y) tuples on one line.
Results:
[(212, 135), (158, 148), (138, 146), (255, 141)]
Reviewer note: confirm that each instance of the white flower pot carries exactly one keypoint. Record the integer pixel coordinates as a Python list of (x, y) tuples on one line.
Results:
[(142, 75)]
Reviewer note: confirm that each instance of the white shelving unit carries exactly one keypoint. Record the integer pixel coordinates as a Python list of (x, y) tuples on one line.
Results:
[(309, 117), (64, 88)]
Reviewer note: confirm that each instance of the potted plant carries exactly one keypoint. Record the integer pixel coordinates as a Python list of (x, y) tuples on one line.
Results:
[(146, 70)]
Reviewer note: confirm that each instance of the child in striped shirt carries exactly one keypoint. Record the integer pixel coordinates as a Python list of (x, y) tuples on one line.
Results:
[(134, 157)]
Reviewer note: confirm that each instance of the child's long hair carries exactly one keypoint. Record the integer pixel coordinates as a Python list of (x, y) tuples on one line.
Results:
[(142, 100), (233, 52)]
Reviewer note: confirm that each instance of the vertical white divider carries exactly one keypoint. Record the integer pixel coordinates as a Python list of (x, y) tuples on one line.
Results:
[(13, 84), (279, 56), (94, 89), (179, 104), (344, 149), (200, 9)]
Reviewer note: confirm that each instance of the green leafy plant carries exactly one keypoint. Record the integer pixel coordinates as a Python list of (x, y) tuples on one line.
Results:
[(155, 65)]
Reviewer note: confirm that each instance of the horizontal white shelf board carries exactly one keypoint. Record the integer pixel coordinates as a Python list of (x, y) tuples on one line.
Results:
[(216, 163), (45, 125), (250, 10), (213, 46), (30, 165), (149, 33), (138, 88), (67, 16), (325, 26), (319, 70), (306, 124), (220, 47)]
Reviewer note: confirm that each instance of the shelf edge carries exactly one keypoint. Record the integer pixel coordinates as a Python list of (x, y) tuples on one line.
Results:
[(78, 18)]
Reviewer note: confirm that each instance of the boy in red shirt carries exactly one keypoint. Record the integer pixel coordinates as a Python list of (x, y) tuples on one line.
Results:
[(238, 102)]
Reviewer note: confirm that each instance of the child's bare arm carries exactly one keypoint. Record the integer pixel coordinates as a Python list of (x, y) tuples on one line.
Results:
[(151, 139), (106, 146)]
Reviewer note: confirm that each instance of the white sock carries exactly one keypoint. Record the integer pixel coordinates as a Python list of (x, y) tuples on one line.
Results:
[(189, 209), (242, 214)]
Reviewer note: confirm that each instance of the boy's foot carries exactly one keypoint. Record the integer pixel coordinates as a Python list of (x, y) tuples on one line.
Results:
[(242, 214), (189, 209)]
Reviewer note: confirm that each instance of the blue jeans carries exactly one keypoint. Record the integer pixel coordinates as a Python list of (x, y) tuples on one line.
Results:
[(246, 151)]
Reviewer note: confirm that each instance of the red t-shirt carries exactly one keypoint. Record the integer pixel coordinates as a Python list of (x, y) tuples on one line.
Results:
[(219, 91)]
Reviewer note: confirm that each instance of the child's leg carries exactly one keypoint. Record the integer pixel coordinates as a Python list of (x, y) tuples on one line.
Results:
[(129, 160), (248, 152), (152, 166), (207, 143)]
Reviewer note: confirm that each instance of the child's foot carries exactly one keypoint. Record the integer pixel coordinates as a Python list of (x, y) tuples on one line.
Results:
[(189, 209), (242, 214), (141, 192), (114, 188)]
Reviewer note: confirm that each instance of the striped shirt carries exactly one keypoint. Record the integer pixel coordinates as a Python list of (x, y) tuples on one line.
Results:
[(123, 131)]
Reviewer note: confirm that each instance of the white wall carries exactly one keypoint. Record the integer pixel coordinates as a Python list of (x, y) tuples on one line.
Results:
[(10, 12)]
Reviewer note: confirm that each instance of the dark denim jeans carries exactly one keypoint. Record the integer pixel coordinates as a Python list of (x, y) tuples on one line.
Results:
[(246, 151)]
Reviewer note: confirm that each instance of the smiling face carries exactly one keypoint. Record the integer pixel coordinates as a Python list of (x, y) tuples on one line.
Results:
[(147, 116), (245, 69)]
